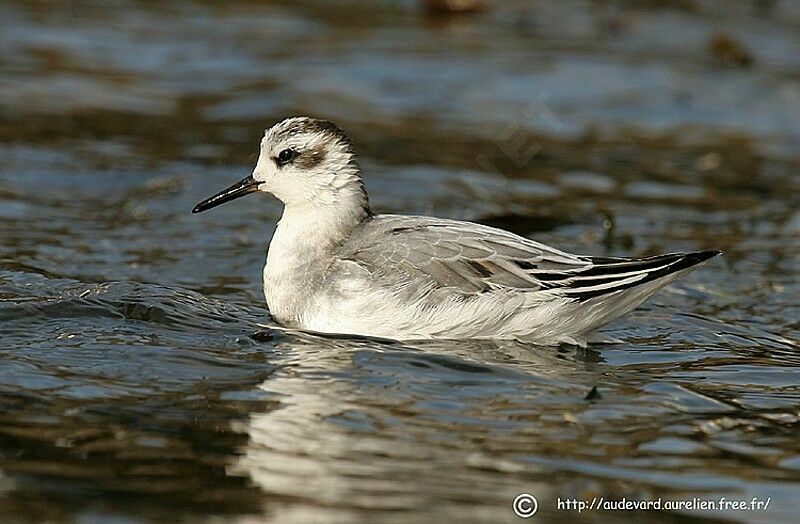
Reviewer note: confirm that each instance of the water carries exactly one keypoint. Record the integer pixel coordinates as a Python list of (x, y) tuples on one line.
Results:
[(138, 384)]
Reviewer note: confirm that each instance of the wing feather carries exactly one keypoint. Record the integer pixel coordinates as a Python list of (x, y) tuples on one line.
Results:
[(472, 258), (468, 257)]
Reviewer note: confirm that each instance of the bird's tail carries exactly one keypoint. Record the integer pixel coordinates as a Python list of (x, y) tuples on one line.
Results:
[(612, 287), (610, 275)]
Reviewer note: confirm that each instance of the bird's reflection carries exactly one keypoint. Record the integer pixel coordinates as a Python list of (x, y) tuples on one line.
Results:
[(368, 425)]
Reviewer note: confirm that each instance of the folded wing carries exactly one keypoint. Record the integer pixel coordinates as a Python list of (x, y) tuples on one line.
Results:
[(473, 258)]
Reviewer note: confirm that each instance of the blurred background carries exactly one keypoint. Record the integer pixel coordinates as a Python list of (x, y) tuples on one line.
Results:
[(136, 384)]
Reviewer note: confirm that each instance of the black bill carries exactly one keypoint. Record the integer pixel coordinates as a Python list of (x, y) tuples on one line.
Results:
[(241, 188)]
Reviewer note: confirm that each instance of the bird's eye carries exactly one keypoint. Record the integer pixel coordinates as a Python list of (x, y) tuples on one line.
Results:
[(286, 156)]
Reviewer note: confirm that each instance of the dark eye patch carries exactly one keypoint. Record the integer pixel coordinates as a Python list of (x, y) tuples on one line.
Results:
[(310, 158)]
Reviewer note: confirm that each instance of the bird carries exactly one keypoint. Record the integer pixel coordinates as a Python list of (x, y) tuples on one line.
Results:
[(335, 267)]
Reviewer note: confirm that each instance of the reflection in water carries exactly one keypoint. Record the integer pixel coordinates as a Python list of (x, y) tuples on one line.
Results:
[(392, 429)]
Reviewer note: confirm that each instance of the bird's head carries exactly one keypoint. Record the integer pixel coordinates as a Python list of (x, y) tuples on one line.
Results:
[(303, 162)]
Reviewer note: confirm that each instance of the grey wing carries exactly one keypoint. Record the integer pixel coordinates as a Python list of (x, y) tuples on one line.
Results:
[(439, 253), (473, 258)]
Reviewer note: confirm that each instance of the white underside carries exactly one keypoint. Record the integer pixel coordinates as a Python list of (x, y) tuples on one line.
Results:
[(501, 315)]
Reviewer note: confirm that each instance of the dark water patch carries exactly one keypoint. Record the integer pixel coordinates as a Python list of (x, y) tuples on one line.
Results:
[(144, 459)]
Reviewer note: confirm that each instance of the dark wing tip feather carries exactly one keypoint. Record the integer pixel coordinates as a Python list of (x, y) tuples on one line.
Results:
[(652, 268), (702, 256)]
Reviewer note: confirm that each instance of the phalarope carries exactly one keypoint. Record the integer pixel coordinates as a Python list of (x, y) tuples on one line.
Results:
[(335, 267)]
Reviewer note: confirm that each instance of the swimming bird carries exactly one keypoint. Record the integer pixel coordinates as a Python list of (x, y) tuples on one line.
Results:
[(333, 266)]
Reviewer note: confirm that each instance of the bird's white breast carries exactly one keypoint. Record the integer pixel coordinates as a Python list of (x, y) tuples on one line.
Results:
[(289, 273)]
